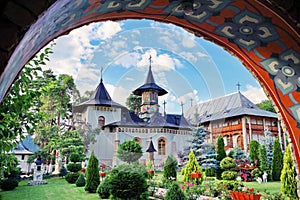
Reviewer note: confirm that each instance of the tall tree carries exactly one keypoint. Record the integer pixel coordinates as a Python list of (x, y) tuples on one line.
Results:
[(263, 164), (221, 154), (266, 105), (19, 111), (254, 152), (288, 175), (133, 102), (191, 166), (277, 161), (92, 174)]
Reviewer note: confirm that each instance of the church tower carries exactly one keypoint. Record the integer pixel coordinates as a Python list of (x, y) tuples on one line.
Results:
[(149, 92)]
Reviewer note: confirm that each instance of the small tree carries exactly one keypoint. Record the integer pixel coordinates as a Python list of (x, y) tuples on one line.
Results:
[(254, 152), (92, 174), (277, 162), (170, 168), (129, 151), (264, 166), (238, 153), (288, 175), (191, 166), (80, 181), (221, 154), (175, 193)]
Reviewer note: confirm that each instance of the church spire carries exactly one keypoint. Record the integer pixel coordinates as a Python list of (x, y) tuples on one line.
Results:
[(150, 78)]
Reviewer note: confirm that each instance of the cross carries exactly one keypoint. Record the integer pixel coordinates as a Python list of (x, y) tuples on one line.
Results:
[(150, 60), (164, 107), (101, 70), (182, 108), (238, 86)]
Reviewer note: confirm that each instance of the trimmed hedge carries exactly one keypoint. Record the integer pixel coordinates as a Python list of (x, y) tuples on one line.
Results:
[(72, 177), (229, 175), (80, 181), (74, 167), (103, 189), (9, 184)]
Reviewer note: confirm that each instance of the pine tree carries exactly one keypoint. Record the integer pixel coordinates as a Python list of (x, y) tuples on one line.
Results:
[(264, 166), (288, 175), (92, 174), (277, 162), (254, 152), (238, 153), (191, 166), (220, 151), (80, 181), (170, 168), (269, 148)]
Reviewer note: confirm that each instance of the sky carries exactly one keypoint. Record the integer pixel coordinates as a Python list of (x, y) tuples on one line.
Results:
[(190, 68)]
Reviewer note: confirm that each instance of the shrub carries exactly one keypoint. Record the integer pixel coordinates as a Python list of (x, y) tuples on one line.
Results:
[(256, 172), (80, 181), (9, 184), (72, 177), (128, 182), (227, 163), (229, 184), (175, 193), (74, 167), (63, 171), (103, 189), (191, 166), (75, 157), (92, 174), (170, 168), (277, 161), (229, 175), (254, 151), (129, 151)]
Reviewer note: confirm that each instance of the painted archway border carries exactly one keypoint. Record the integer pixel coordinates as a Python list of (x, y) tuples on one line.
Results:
[(266, 44)]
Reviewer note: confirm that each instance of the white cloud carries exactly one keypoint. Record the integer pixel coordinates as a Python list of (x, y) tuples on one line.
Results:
[(127, 60), (254, 94), (107, 30), (118, 94), (188, 41), (189, 56)]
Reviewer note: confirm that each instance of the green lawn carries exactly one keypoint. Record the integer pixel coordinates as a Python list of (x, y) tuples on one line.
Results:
[(272, 187), (56, 188)]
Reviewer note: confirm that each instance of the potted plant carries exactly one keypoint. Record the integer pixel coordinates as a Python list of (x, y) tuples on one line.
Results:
[(245, 194), (196, 175)]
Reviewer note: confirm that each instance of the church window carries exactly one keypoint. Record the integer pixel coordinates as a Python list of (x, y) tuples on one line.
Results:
[(101, 122), (161, 146)]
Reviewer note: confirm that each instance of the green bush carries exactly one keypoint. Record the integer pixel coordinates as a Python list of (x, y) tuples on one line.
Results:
[(63, 172), (227, 163), (9, 184), (129, 151), (175, 193), (170, 168), (229, 175), (74, 167), (92, 174), (80, 182), (229, 184), (128, 182), (256, 172), (72, 177), (103, 189), (75, 157)]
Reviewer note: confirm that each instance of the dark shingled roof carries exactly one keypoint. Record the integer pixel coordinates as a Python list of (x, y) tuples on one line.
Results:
[(151, 147), (150, 85), (227, 106), (100, 98)]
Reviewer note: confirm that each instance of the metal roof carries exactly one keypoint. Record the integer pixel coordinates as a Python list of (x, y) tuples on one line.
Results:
[(231, 105)]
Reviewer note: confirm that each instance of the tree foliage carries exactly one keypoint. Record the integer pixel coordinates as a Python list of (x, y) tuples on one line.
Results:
[(263, 164), (133, 102), (129, 151), (288, 175), (277, 160), (191, 166), (175, 193), (266, 105), (92, 174), (221, 154), (170, 168), (254, 151)]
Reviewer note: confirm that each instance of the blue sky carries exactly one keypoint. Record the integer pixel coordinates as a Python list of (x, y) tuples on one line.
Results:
[(188, 67)]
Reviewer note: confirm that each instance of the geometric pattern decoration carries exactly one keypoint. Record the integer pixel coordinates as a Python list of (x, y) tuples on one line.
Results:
[(267, 44)]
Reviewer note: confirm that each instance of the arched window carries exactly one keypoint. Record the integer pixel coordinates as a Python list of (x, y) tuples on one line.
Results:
[(162, 146), (139, 140), (101, 122)]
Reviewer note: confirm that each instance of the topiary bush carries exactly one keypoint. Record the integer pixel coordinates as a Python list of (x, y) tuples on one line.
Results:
[(229, 175), (103, 189), (227, 163), (74, 167), (72, 177), (128, 182), (63, 172), (229, 184), (80, 182), (75, 157), (92, 174), (175, 193), (9, 184), (129, 151)]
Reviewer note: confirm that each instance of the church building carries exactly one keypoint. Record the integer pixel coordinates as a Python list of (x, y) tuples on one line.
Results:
[(168, 134)]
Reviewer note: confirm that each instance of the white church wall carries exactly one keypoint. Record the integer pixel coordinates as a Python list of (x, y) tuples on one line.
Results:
[(110, 116)]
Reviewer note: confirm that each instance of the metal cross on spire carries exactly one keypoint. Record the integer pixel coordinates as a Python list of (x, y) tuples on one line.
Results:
[(101, 71), (238, 86), (181, 108), (164, 107), (150, 60)]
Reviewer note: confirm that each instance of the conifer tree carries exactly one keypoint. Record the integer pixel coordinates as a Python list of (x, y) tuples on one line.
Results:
[(191, 166), (254, 152), (288, 175), (170, 168), (92, 174), (175, 193), (221, 154), (264, 166), (277, 162)]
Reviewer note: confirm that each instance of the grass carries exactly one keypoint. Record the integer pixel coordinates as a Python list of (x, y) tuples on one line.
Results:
[(57, 188), (272, 187)]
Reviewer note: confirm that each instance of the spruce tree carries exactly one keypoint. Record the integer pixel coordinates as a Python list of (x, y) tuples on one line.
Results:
[(288, 175), (238, 153), (254, 152), (264, 166), (277, 162), (191, 166), (175, 193), (92, 174), (170, 168)]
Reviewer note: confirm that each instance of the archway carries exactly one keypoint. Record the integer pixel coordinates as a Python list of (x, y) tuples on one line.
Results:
[(265, 42)]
